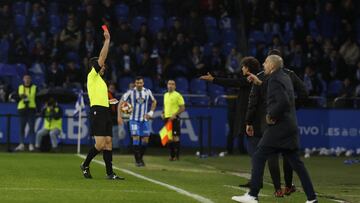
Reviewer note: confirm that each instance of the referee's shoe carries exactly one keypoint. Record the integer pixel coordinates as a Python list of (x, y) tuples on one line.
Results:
[(86, 171), (114, 177)]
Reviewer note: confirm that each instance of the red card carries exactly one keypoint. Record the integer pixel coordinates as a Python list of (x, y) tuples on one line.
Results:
[(104, 27)]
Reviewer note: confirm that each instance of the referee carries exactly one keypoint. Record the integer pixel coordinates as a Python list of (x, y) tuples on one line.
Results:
[(100, 117), (174, 105)]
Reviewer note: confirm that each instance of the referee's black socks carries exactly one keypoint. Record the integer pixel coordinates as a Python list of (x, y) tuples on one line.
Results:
[(91, 154), (107, 156), (136, 149), (177, 149), (172, 149)]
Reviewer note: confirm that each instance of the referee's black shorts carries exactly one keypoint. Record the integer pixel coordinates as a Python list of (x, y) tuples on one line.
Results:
[(100, 121), (176, 126)]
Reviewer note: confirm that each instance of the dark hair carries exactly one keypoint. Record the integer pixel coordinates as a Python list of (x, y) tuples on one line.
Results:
[(251, 63), (92, 62), (274, 52), (139, 78)]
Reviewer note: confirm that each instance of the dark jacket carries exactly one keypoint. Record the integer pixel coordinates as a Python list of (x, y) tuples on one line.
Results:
[(241, 101), (280, 105), (256, 111)]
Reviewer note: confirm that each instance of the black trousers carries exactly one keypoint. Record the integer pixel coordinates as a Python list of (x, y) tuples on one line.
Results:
[(258, 164), (273, 164)]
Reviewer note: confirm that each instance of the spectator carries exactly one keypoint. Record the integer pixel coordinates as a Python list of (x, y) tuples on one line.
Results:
[(146, 67), (176, 29), (54, 76), (38, 53), (18, 52), (143, 32), (52, 114), (216, 61), (196, 28), (88, 46), (73, 76), (312, 82), (161, 44), (197, 62), (350, 51), (70, 37), (297, 59), (347, 89), (179, 50), (123, 33), (6, 19), (233, 61), (329, 21), (126, 62)]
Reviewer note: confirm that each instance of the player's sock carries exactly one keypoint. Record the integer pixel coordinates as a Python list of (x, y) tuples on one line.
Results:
[(107, 156), (143, 150), (91, 154), (136, 149), (172, 149), (177, 149)]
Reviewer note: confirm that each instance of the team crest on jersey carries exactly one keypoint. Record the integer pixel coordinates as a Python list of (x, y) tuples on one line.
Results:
[(140, 100)]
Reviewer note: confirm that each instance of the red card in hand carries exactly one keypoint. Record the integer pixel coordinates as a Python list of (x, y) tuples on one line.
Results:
[(104, 27)]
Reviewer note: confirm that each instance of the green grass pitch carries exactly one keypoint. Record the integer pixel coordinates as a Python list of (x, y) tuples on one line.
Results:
[(37, 178)]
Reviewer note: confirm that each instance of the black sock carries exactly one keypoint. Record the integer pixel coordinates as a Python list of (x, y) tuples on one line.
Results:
[(142, 151), (136, 149), (91, 154), (172, 149), (107, 156), (177, 149)]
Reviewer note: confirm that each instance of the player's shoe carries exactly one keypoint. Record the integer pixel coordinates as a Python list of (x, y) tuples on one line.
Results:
[(289, 190), (312, 201), (31, 148), (86, 171), (114, 177), (279, 193), (20, 148), (246, 198)]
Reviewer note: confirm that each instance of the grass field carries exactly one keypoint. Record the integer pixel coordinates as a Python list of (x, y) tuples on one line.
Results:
[(34, 177)]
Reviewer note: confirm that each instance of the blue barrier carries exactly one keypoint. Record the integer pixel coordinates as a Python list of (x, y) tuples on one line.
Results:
[(318, 127)]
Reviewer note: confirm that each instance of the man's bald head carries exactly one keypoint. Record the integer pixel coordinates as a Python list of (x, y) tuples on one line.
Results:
[(272, 63)]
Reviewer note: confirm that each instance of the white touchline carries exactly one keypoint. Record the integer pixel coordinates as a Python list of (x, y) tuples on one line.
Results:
[(176, 189)]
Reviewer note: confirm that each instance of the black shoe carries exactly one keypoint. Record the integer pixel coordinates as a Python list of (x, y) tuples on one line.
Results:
[(86, 171), (139, 164), (114, 177), (247, 185), (142, 162)]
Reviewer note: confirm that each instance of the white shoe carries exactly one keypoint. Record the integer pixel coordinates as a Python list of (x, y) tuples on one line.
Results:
[(246, 198), (31, 148), (20, 147), (311, 201)]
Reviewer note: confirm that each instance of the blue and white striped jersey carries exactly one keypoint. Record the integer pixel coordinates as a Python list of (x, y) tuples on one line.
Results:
[(139, 100)]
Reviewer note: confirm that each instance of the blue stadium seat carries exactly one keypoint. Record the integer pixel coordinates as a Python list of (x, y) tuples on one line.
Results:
[(226, 49), (136, 23), (148, 83), (53, 8), (221, 102), (122, 10), (207, 48), (215, 90), (334, 88), (170, 22), (73, 56), (182, 84), (156, 24), (4, 50), (257, 36), (313, 29), (19, 7), (38, 79), (123, 83), (20, 22), (210, 22), (20, 69), (200, 100), (229, 36), (157, 11), (213, 35), (198, 86)]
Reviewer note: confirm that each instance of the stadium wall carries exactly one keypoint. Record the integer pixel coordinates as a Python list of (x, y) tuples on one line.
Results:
[(318, 127)]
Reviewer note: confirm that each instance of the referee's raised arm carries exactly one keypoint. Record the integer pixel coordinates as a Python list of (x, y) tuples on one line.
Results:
[(105, 49)]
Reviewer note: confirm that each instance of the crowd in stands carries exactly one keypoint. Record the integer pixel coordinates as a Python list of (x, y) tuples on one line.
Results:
[(160, 39)]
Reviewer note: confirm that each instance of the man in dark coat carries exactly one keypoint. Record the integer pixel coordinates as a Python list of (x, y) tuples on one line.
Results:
[(281, 134), (256, 123), (249, 65)]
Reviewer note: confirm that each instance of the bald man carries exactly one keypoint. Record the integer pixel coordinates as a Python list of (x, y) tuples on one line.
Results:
[(281, 134)]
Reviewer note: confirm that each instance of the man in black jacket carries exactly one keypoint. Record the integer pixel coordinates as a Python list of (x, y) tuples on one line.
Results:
[(281, 134), (249, 65), (255, 126)]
